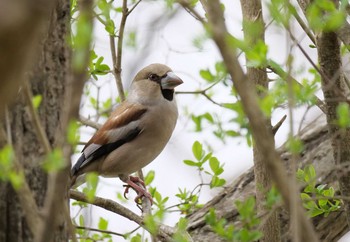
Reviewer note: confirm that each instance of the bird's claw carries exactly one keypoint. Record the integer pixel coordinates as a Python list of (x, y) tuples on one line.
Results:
[(139, 187)]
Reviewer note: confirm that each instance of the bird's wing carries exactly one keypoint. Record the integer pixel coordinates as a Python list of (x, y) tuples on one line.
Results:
[(122, 126)]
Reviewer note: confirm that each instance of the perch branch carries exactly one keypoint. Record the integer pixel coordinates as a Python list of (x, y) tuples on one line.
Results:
[(164, 231)]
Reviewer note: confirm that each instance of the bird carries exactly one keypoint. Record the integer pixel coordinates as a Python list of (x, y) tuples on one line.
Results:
[(136, 132)]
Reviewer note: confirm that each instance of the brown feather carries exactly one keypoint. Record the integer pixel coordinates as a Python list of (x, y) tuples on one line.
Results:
[(123, 115)]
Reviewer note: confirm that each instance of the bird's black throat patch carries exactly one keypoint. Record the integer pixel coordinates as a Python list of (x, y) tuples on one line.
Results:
[(168, 94)]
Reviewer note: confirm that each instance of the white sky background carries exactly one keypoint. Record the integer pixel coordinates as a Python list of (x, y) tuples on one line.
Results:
[(171, 44)]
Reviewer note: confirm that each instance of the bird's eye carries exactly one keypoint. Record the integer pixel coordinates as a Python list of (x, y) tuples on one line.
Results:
[(153, 77)]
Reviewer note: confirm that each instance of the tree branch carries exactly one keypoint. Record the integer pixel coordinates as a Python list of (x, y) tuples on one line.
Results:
[(89, 122), (117, 56), (203, 92), (100, 231), (165, 232)]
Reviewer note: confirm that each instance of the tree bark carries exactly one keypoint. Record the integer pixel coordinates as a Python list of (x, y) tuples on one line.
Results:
[(334, 91), (254, 31), (48, 78), (318, 152)]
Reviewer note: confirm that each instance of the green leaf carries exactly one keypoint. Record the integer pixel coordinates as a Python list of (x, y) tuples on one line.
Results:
[(232, 133), (315, 212), (90, 189), (304, 196), (323, 15), (197, 150), (272, 197), (72, 132), (215, 166), (107, 104), (6, 161), (198, 122), (54, 161), (103, 224), (191, 163), (343, 115), (208, 117), (206, 157), (36, 100), (81, 220), (181, 234), (131, 40), (295, 145), (93, 102), (207, 75), (151, 224), (149, 177), (300, 174), (110, 27), (82, 40), (16, 179), (310, 172), (257, 55), (217, 182)]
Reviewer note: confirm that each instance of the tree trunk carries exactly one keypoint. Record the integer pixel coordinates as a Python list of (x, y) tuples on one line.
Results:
[(253, 20), (318, 151), (48, 78), (334, 91)]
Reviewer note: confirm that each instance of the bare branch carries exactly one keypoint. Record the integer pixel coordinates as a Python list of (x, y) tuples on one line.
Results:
[(304, 26), (89, 122), (133, 7), (203, 92), (117, 55), (187, 6), (101, 231), (276, 127)]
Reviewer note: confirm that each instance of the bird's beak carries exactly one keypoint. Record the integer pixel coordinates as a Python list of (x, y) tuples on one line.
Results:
[(170, 81)]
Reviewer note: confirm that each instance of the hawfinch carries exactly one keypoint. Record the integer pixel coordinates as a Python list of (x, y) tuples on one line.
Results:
[(136, 132)]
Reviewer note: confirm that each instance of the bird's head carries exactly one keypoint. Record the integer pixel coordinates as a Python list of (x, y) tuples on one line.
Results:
[(155, 79)]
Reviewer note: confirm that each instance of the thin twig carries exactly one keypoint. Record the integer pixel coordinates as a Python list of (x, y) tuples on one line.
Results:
[(117, 55), (187, 6), (203, 92), (89, 122), (133, 7), (278, 124), (304, 26), (101, 231)]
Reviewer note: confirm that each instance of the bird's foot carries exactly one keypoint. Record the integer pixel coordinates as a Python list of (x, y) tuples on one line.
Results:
[(139, 187)]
